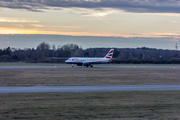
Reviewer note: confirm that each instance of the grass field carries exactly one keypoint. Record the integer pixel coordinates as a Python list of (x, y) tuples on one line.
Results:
[(92, 105), (90, 76), (31, 64), (152, 105)]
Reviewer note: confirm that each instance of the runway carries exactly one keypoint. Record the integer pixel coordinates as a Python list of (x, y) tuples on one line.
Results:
[(69, 67), (44, 89)]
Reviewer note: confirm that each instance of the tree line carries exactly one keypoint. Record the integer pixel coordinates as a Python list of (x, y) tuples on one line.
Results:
[(44, 52)]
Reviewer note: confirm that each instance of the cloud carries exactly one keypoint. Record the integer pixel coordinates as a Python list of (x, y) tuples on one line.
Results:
[(174, 22), (100, 14), (37, 25), (136, 6), (17, 20)]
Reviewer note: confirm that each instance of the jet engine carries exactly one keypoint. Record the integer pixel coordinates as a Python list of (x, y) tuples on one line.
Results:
[(86, 64)]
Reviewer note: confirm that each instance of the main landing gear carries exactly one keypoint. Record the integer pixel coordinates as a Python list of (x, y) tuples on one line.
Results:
[(90, 66), (86, 65)]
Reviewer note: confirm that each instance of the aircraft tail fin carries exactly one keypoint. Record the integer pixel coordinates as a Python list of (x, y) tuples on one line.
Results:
[(109, 55)]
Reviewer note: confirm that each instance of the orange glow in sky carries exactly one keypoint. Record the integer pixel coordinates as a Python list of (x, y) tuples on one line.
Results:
[(32, 31), (144, 20)]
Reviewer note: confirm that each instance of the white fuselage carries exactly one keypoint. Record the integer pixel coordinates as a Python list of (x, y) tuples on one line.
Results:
[(81, 60)]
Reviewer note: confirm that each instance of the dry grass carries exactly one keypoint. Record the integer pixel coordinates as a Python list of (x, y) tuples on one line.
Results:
[(90, 105), (87, 106), (31, 64), (88, 76)]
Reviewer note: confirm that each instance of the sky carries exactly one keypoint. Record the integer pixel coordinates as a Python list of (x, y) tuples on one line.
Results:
[(90, 23)]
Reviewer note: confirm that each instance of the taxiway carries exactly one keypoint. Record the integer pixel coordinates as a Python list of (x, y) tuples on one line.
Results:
[(40, 89), (117, 67)]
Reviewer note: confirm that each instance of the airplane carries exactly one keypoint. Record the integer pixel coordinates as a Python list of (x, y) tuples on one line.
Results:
[(87, 61)]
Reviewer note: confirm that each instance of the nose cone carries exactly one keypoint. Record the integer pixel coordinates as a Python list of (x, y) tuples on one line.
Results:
[(68, 61)]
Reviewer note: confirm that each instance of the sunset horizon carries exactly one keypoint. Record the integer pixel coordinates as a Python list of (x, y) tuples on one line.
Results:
[(146, 22)]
